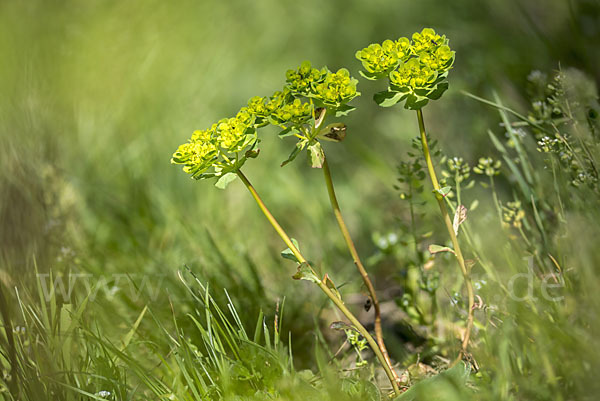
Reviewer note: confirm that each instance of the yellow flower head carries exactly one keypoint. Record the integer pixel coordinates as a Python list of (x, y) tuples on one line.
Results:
[(412, 74), (231, 133), (427, 40)]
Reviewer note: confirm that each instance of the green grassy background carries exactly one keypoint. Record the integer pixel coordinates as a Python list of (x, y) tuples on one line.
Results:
[(95, 96)]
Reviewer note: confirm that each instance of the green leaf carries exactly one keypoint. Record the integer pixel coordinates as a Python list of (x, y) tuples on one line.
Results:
[(443, 191), (415, 102), (252, 153), (433, 249), (387, 98), (316, 155), (371, 75), (225, 179), (127, 339), (289, 131), (288, 254), (295, 152), (305, 273), (344, 110), (438, 91)]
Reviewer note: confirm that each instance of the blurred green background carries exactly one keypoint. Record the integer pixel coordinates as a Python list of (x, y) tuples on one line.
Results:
[(96, 95)]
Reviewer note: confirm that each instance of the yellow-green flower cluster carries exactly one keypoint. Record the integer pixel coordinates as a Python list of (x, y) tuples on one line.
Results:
[(417, 68), (231, 134), (439, 59), (329, 88), (295, 112), (199, 153), (513, 214), (412, 74), (301, 81), (337, 88), (427, 40), (382, 58), (225, 147), (217, 146), (264, 107)]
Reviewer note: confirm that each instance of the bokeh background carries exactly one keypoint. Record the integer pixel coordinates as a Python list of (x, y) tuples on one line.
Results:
[(96, 95)]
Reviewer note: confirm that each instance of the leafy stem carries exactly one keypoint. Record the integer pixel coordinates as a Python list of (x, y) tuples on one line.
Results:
[(321, 283), (447, 220), (361, 269)]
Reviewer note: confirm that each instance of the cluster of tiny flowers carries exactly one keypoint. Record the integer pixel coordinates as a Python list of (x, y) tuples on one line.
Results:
[(295, 112), (488, 166), (413, 74), (337, 88), (579, 173), (427, 56), (301, 81), (382, 58), (199, 153), (225, 145), (457, 168), (330, 88), (416, 68), (513, 214)]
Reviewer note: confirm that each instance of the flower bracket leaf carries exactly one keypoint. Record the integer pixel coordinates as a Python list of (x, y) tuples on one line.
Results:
[(297, 149), (387, 98), (344, 110), (288, 254), (289, 131), (459, 217), (433, 249), (316, 155), (225, 180), (305, 273)]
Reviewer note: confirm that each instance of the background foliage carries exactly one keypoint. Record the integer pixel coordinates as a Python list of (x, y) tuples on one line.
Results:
[(96, 95)]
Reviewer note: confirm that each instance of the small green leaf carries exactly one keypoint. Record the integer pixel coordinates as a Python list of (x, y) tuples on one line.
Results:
[(443, 191), (344, 110), (225, 179), (387, 98), (433, 249), (288, 254), (252, 153), (438, 91), (305, 273), (415, 102), (289, 131), (316, 155), (371, 75), (295, 152)]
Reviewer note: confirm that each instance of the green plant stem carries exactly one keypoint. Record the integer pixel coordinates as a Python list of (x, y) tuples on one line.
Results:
[(447, 220), (361, 269), (496, 201), (322, 285)]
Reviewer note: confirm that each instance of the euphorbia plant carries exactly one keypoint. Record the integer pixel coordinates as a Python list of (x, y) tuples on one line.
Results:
[(309, 97), (417, 72)]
